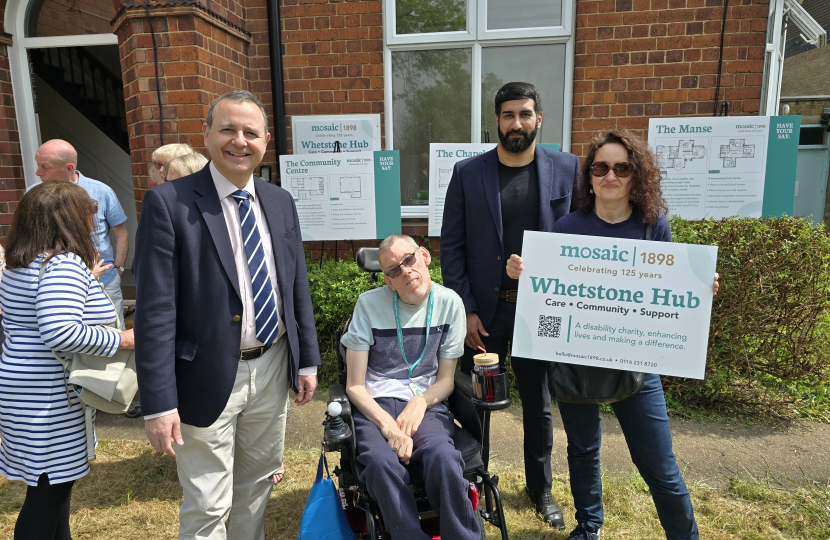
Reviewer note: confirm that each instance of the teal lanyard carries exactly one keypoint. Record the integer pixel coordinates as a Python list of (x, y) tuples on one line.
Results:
[(400, 332)]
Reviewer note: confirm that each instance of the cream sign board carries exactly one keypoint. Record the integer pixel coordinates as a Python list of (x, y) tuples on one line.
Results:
[(625, 304), (318, 134)]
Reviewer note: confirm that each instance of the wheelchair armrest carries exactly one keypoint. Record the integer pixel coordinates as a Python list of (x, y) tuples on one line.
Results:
[(464, 384), (461, 406)]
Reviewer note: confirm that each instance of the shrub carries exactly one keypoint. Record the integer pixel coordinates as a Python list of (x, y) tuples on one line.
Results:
[(770, 320), (770, 317)]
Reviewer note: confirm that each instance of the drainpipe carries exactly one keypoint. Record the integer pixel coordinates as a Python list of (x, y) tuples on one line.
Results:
[(277, 91)]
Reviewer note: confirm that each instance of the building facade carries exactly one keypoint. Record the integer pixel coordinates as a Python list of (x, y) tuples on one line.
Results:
[(142, 74)]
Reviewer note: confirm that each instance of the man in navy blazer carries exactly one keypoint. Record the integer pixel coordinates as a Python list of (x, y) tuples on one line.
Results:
[(225, 325), (491, 200)]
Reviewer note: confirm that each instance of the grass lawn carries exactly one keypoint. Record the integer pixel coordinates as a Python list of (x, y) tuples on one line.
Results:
[(134, 493)]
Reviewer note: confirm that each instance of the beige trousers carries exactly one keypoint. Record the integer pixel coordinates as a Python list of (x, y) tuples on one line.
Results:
[(226, 469)]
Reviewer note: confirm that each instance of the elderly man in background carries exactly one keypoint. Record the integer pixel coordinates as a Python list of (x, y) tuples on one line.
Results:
[(57, 161), (162, 155)]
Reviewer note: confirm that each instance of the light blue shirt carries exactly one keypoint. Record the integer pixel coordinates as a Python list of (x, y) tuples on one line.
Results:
[(109, 215)]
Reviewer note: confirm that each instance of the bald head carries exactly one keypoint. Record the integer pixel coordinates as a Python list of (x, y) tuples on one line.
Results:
[(56, 161)]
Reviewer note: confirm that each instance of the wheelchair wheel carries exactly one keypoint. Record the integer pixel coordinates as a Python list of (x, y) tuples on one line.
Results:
[(481, 524)]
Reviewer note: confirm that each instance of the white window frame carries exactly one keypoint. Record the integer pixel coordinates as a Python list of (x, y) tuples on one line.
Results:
[(24, 102), (476, 27)]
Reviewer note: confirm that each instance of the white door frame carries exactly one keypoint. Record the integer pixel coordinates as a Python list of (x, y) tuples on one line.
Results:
[(24, 103)]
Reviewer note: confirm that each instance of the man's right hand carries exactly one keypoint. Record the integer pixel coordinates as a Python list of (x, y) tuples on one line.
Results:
[(399, 441), (163, 431), (474, 331)]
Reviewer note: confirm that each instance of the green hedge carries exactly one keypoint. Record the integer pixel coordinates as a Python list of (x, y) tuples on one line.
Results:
[(770, 320)]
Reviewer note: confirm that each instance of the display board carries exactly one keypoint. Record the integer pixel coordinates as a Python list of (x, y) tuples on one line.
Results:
[(442, 160), (717, 167), (345, 196), (317, 134), (635, 305)]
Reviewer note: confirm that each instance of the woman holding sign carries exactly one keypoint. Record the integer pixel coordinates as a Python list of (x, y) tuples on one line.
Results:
[(620, 197)]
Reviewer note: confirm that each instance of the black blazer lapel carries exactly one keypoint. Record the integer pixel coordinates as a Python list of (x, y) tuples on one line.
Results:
[(207, 199), (544, 172), (490, 179)]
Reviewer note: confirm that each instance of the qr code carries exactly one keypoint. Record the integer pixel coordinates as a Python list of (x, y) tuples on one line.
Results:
[(549, 326)]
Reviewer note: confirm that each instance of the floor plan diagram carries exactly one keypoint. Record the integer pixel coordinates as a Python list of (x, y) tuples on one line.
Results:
[(734, 150), (307, 188), (677, 156), (444, 174), (349, 186)]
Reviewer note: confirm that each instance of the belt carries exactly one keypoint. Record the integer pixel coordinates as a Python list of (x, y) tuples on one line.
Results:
[(252, 353), (509, 295)]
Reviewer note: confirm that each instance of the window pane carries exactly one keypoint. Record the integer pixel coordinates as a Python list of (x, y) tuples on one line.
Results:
[(426, 16), (540, 65), (503, 14), (431, 101)]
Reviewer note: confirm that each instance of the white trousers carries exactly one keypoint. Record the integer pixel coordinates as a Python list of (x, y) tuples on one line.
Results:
[(226, 469)]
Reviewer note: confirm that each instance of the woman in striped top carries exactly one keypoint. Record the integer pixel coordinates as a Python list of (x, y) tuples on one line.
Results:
[(43, 440)]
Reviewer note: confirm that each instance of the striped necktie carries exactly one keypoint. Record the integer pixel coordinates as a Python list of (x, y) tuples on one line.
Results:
[(265, 304)]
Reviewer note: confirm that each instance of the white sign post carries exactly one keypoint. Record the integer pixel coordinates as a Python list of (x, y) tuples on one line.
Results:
[(442, 159), (634, 305), (318, 134)]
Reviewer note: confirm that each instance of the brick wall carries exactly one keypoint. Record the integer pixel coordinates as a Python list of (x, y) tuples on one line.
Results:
[(62, 18), (638, 59), (333, 57), (807, 74), (198, 61), (11, 165)]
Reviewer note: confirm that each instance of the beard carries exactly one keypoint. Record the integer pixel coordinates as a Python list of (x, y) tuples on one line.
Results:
[(517, 146)]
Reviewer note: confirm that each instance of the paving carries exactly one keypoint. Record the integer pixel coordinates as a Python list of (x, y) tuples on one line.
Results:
[(708, 452)]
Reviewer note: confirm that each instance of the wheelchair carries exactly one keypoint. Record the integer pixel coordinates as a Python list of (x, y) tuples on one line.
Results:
[(471, 439)]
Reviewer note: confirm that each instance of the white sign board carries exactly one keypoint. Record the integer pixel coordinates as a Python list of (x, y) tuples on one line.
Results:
[(717, 167), (317, 134), (625, 304), (442, 159), (344, 196)]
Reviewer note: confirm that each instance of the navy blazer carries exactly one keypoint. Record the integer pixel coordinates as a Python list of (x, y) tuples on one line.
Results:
[(472, 243), (187, 341)]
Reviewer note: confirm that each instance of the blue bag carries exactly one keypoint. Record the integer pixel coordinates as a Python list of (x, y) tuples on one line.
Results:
[(323, 517)]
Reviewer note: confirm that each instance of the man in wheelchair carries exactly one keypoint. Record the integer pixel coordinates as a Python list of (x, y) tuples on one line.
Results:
[(402, 345)]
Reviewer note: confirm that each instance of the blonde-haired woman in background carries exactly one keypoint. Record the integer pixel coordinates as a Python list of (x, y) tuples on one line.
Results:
[(183, 165), (162, 155)]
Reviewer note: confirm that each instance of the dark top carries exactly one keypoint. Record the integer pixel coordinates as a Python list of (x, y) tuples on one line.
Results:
[(519, 193), (589, 224)]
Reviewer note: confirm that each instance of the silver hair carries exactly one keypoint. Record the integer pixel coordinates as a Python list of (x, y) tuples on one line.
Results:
[(237, 96), (170, 151), (184, 165), (390, 240)]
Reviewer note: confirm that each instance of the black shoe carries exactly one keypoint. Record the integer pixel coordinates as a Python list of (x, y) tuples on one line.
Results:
[(548, 509), (134, 411)]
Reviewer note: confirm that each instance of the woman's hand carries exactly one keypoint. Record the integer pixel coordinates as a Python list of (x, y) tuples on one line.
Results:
[(411, 416), (514, 266), (99, 268), (715, 287), (127, 340)]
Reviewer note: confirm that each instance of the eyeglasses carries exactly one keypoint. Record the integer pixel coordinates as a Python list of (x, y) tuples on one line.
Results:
[(158, 165), (395, 271), (93, 207), (621, 170)]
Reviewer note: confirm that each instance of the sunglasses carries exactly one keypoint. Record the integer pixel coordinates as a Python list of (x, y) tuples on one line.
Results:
[(621, 170), (93, 207), (395, 271)]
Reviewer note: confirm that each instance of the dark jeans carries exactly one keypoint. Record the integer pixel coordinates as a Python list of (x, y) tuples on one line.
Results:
[(532, 380), (645, 425), (434, 460), (45, 512)]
